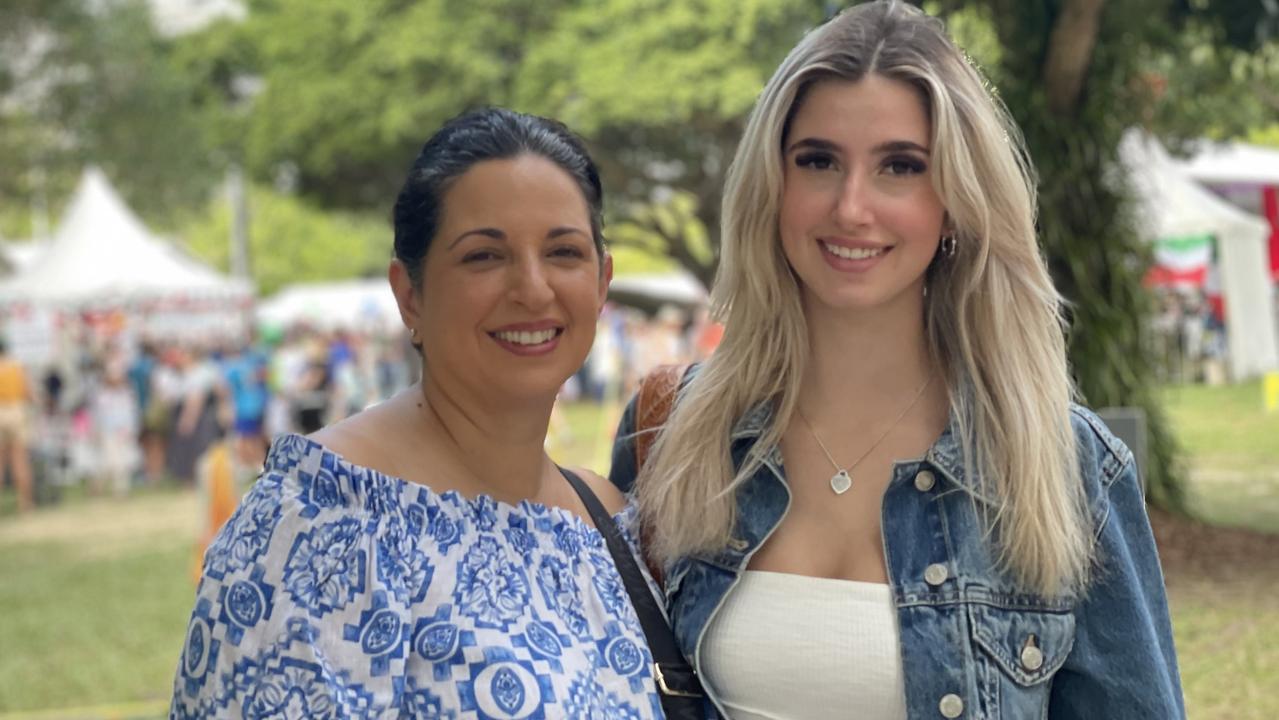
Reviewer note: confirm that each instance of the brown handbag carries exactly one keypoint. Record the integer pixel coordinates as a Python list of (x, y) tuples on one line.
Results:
[(653, 406)]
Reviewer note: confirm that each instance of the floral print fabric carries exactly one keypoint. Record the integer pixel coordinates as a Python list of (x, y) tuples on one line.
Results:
[(338, 592)]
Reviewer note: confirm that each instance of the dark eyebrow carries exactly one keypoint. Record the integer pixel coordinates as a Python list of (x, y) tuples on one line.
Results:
[(891, 146), (813, 144), (496, 234), (563, 230), (900, 146), (486, 232)]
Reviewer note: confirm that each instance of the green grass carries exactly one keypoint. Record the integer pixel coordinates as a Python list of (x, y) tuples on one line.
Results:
[(1232, 447), (94, 603), (1225, 639), (1225, 427), (586, 437)]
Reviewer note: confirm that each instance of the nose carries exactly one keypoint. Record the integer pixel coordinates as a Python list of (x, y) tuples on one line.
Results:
[(852, 206), (529, 284)]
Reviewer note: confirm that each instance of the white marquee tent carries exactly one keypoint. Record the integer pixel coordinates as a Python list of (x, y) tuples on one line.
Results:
[(103, 254), (350, 305), (1232, 162), (1174, 205)]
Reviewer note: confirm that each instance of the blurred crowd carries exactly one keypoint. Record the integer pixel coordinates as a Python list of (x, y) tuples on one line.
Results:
[(115, 413), (1189, 337)]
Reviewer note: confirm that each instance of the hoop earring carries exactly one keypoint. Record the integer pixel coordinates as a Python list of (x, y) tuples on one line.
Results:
[(948, 245)]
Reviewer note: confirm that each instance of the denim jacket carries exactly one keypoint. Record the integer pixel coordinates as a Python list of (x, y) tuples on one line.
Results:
[(966, 629)]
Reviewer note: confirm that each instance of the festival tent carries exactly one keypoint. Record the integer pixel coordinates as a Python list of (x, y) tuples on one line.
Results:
[(650, 291), (1180, 216), (1247, 173), (101, 253), (350, 305), (18, 256), (1215, 163), (103, 269)]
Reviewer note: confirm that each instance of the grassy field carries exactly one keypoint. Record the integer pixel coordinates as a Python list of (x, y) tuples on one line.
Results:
[(93, 604), (95, 594), (1232, 448)]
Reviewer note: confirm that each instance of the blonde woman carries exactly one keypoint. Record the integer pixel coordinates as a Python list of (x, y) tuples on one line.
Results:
[(876, 498)]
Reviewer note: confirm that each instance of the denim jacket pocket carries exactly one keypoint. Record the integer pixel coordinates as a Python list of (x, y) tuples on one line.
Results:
[(1027, 645), (1017, 652)]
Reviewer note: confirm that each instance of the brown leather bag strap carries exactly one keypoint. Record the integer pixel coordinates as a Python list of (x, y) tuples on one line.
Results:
[(653, 406)]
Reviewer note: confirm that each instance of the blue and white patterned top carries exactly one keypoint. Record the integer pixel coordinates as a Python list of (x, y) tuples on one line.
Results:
[(335, 591)]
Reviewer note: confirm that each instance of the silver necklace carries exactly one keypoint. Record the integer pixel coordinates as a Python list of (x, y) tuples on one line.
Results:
[(842, 480)]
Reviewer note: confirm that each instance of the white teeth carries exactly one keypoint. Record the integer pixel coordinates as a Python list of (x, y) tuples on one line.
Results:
[(852, 253), (526, 338)]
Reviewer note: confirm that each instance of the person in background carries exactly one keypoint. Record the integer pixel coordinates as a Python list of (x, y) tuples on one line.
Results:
[(152, 411), (246, 382), (197, 418), (116, 422), (312, 388), (15, 399), (876, 497)]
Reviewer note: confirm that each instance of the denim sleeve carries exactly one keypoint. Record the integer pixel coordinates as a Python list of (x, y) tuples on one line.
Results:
[(622, 471), (1123, 664)]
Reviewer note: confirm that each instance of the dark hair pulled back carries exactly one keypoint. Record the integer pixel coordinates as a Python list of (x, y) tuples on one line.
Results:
[(471, 138)]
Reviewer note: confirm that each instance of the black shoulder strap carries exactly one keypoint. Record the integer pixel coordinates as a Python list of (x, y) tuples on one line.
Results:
[(676, 681)]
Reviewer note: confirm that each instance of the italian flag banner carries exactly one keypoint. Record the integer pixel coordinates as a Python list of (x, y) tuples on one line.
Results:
[(1181, 260)]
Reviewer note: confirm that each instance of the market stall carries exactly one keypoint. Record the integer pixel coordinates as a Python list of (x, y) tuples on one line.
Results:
[(1198, 235), (103, 266)]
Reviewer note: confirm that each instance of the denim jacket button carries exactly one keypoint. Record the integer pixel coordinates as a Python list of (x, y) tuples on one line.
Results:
[(738, 544), (924, 481), (936, 574), (951, 706), (1032, 658)]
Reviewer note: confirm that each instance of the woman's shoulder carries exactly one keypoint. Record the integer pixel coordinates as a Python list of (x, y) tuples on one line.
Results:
[(366, 438), (609, 495), (1100, 450)]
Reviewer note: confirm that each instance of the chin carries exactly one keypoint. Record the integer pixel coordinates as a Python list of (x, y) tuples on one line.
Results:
[(531, 383), (865, 299)]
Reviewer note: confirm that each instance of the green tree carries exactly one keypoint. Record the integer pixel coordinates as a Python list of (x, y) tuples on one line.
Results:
[(351, 90), (292, 241), (92, 83), (659, 88), (1076, 74)]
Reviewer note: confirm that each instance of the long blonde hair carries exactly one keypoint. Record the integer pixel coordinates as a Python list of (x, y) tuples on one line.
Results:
[(992, 315)]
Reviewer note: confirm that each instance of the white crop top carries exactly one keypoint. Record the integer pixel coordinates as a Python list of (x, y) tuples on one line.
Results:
[(793, 646)]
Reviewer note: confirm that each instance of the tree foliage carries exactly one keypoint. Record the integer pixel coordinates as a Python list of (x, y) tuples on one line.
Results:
[(1076, 74), (291, 241), (92, 83), (659, 88)]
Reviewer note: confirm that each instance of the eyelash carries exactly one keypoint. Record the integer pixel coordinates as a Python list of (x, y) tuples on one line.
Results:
[(913, 166), (483, 255), (478, 256), (571, 250), (820, 161), (811, 160)]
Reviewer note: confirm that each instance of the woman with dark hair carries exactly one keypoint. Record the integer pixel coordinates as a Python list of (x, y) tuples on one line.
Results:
[(425, 558)]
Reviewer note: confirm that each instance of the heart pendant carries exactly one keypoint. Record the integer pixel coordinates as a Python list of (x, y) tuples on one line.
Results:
[(840, 482)]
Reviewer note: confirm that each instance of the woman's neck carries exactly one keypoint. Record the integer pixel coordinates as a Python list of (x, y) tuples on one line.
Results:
[(863, 365), (500, 445)]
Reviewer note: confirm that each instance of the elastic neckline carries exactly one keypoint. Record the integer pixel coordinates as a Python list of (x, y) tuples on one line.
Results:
[(288, 449)]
